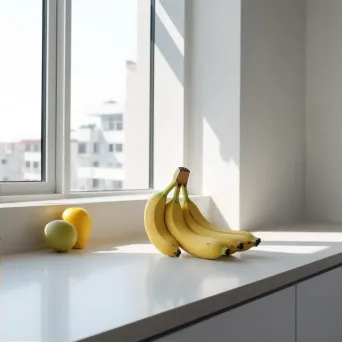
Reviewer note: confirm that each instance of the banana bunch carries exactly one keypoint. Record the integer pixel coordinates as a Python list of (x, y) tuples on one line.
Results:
[(174, 225)]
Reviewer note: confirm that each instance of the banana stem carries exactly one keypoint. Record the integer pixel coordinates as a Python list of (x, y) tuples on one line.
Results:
[(176, 194), (169, 188), (185, 193)]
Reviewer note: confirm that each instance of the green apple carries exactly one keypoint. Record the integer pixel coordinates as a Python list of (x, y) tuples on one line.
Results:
[(60, 235)]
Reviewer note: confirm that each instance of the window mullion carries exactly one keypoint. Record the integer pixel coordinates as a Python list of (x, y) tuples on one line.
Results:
[(50, 106), (63, 96)]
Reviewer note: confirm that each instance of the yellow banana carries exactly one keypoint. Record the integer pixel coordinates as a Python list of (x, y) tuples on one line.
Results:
[(248, 239), (230, 241), (155, 225), (197, 245)]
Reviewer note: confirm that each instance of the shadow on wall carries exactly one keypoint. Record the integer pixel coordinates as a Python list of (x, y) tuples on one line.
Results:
[(170, 28), (169, 23), (212, 113)]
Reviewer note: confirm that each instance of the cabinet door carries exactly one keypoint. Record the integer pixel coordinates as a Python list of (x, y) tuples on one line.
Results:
[(319, 308), (271, 318)]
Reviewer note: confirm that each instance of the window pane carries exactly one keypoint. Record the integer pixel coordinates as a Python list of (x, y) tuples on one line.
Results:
[(21, 44), (110, 82)]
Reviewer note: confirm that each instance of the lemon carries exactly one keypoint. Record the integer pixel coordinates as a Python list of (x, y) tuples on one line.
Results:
[(81, 220)]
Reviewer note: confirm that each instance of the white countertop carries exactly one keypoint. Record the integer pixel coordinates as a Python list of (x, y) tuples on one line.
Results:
[(130, 292)]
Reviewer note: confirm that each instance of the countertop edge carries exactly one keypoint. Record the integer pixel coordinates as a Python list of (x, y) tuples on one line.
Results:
[(163, 323)]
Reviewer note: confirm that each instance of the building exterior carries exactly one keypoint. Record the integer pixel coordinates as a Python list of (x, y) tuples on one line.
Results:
[(32, 163), (97, 154), (11, 162), (99, 159)]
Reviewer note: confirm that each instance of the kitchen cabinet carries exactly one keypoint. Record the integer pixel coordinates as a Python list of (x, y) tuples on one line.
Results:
[(271, 318), (319, 308)]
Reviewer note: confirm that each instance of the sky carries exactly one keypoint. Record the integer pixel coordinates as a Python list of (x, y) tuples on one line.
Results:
[(104, 36)]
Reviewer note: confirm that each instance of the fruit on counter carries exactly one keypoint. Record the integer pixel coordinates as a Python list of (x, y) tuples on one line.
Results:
[(155, 227), (204, 227), (172, 226), (194, 244), (81, 220), (60, 235)]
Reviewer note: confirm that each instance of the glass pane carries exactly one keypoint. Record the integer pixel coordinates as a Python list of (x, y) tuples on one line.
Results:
[(110, 82), (21, 33)]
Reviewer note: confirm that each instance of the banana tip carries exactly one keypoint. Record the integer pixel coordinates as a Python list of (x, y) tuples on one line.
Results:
[(257, 242), (178, 253)]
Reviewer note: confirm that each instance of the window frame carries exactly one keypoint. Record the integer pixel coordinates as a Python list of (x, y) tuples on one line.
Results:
[(58, 129)]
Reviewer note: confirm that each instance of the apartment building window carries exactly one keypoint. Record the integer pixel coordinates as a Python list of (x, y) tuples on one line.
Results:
[(96, 148), (82, 148), (62, 123), (95, 183), (110, 124), (117, 185), (96, 164), (113, 124), (118, 148), (119, 126)]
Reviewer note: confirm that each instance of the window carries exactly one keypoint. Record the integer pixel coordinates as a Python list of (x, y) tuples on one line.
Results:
[(117, 185), (113, 125), (119, 126), (23, 24), (110, 125), (96, 148), (52, 84), (82, 148), (95, 183), (110, 86), (3, 161), (118, 147)]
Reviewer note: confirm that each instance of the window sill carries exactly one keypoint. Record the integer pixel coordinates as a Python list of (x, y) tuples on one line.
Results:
[(114, 218), (73, 199)]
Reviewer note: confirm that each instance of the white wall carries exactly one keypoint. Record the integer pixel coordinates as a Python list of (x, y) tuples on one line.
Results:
[(168, 90), (272, 111), (212, 104), (324, 110), (253, 170)]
